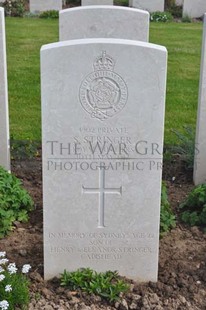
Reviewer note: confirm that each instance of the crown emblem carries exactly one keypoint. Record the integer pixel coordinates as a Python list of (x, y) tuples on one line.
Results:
[(103, 93), (104, 62)]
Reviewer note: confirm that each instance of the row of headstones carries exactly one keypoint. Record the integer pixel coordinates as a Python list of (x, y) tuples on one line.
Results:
[(101, 201), (150, 5), (37, 6), (191, 8)]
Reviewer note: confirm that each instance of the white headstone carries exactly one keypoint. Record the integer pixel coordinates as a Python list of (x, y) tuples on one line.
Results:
[(148, 5), (37, 6), (102, 123), (194, 8), (4, 114), (97, 2), (103, 22), (200, 154)]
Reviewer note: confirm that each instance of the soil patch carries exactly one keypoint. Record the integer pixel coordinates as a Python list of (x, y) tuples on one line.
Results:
[(182, 258)]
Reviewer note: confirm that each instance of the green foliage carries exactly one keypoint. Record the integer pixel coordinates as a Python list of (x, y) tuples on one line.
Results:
[(167, 218), (175, 10), (186, 19), (21, 149), (30, 15), (193, 209), (49, 14), (107, 285), (15, 202), (14, 286), (121, 2), (20, 292), (169, 3), (186, 147), (73, 2), (161, 17), (14, 7)]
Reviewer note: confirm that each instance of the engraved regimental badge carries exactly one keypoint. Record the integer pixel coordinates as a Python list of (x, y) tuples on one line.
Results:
[(103, 93)]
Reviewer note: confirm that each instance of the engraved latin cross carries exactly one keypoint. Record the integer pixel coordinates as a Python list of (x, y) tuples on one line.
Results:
[(102, 191)]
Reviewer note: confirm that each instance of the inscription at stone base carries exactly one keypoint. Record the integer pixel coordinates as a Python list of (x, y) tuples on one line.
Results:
[(101, 245)]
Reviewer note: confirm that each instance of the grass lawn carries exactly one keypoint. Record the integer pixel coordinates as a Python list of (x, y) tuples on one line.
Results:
[(25, 36), (183, 42)]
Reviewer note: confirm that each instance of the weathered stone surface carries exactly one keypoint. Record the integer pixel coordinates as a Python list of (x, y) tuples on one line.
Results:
[(97, 2), (179, 2), (200, 154), (4, 114), (103, 22), (102, 122), (149, 5), (37, 6), (194, 8)]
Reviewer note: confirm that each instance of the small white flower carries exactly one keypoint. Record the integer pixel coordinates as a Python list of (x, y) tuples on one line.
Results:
[(8, 288), (4, 305), (2, 254), (26, 268), (1, 269), (2, 277), (12, 268), (3, 261)]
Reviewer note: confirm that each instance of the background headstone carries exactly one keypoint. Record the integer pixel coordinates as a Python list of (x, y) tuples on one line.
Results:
[(148, 5), (179, 2), (102, 124), (97, 2), (37, 6), (200, 154), (4, 114), (194, 8), (103, 22)]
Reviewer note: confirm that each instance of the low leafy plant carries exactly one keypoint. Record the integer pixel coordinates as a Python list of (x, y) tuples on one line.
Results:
[(49, 14), (21, 149), (15, 202), (14, 285), (30, 15), (193, 209), (73, 2), (121, 2), (175, 10), (167, 218), (107, 285), (169, 3), (186, 19), (14, 8), (186, 148), (161, 17)]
